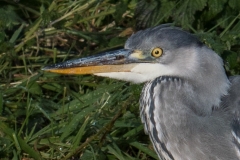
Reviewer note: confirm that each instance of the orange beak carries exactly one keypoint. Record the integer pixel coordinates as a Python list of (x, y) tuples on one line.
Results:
[(122, 60)]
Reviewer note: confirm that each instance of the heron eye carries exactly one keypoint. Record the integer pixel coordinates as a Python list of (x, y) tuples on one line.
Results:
[(157, 52)]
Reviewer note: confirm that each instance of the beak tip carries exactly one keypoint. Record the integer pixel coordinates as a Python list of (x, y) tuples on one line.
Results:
[(44, 68), (50, 67)]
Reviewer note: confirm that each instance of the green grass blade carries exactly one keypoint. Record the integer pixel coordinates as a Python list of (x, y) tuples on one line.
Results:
[(24, 146), (144, 149)]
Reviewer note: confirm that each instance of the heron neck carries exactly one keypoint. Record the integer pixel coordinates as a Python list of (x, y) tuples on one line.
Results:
[(210, 82), (184, 95)]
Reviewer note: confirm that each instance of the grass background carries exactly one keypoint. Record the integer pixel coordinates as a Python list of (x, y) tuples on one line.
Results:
[(50, 116)]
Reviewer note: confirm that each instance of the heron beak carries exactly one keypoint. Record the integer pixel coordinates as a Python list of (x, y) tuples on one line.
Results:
[(122, 60)]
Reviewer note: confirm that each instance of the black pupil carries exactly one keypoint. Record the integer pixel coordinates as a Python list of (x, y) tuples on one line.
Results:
[(156, 52)]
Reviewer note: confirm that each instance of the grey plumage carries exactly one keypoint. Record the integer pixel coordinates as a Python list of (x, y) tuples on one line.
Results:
[(178, 131), (189, 107), (179, 112)]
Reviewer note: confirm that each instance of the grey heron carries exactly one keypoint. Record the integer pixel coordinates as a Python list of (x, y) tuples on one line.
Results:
[(188, 106)]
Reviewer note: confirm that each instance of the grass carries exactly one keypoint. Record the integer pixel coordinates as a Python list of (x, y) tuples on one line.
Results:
[(51, 116)]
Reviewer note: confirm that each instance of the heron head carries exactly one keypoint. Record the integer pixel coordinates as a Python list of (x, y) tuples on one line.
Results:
[(148, 54)]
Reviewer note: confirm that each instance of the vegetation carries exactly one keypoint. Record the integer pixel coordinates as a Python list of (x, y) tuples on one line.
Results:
[(50, 116)]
